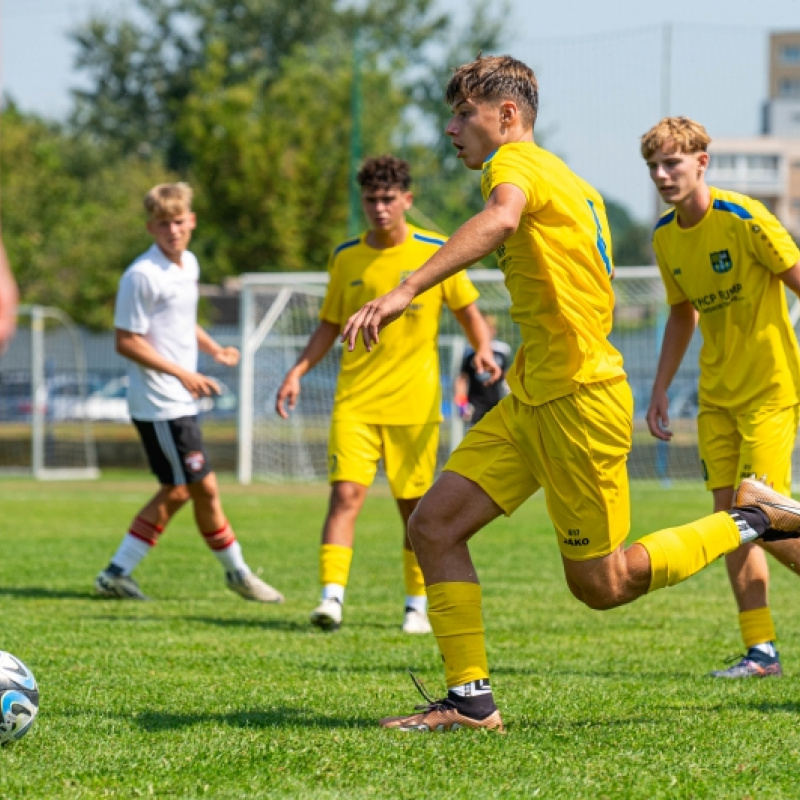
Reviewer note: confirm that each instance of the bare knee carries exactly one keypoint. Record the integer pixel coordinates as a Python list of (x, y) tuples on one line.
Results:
[(204, 491), (346, 497), (174, 497), (609, 581)]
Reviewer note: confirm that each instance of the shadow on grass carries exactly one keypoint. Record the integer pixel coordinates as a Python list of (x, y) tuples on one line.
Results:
[(42, 592), (260, 623), (280, 717)]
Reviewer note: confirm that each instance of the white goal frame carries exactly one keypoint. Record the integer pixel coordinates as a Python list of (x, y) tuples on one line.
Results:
[(35, 362), (640, 313)]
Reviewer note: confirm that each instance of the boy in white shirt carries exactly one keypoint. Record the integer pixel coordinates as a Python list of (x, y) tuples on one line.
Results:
[(156, 330)]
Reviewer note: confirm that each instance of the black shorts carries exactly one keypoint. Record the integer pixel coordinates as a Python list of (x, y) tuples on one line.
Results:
[(174, 450)]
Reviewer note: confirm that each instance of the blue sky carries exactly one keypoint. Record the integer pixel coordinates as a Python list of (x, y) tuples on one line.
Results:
[(607, 71)]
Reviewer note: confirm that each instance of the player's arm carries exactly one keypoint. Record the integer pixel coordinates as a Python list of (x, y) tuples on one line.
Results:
[(477, 331), (9, 298), (791, 278), (318, 345), (474, 240), (135, 347), (678, 333), (229, 356)]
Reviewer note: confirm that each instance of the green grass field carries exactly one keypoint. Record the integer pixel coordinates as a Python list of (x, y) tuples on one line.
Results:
[(201, 694)]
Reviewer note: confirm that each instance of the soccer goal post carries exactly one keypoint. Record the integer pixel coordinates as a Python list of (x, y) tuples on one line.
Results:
[(280, 311), (43, 383)]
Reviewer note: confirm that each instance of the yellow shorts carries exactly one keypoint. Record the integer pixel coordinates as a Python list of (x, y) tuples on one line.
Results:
[(576, 447), (408, 452), (734, 446)]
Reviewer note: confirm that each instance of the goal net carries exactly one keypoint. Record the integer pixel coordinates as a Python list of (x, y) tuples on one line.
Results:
[(280, 311), (43, 387)]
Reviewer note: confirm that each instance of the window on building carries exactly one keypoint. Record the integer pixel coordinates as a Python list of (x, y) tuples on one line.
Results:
[(789, 87), (790, 54), (765, 163)]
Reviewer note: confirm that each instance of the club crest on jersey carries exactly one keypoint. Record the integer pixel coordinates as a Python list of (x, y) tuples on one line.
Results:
[(194, 461), (721, 261)]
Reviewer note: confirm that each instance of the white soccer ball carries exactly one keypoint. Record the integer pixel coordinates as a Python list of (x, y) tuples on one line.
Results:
[(19, 698)]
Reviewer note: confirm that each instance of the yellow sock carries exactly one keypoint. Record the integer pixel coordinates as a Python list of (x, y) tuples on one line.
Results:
[(757, 627), (334, 564), (678, 553), (415, 583), (454, 610)]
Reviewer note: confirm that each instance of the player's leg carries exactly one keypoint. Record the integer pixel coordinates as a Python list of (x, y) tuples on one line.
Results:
[(410, 461), (473, 490), (767, 439), (151, 520), (221, 540), (354, 450)]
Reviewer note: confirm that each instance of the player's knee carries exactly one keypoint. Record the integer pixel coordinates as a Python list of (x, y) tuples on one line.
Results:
[(598, 596), (345, 497), (175, 496)]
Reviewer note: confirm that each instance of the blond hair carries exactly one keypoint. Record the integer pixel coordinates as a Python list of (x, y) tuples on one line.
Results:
[(496, 78), (675, 135), (168, 200)]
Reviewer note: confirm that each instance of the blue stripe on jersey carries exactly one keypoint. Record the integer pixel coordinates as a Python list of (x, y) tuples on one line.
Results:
[(427, 239), (345, 245), (665, 220), (724, 205)]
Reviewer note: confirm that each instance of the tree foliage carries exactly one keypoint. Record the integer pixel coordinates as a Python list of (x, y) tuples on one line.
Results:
[(72, 216)]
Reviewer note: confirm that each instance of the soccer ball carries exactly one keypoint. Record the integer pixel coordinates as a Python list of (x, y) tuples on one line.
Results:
[(19, 698)]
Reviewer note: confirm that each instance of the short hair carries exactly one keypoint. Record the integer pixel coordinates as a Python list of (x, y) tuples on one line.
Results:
[(496, 78), (168, 200), (384, 172), (675, 134)]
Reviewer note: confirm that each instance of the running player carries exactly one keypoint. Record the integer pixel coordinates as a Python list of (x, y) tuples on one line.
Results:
[(566, 426), (157, 331), (725, 260), (389, 409)]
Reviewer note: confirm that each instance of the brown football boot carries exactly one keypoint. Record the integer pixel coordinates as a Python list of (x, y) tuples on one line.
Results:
[(782, 512)]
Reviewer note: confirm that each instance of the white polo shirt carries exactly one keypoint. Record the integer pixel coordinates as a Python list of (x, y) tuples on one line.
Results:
[(158, 300)]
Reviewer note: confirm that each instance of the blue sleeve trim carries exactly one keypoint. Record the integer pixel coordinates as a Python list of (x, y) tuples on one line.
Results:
[(733, 208), (665, 220), (345, 245), (428, 239)]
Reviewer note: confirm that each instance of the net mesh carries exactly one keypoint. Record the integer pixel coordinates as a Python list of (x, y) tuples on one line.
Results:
[(296, 450)]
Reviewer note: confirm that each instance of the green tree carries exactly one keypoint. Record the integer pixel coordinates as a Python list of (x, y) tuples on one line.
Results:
[(72, 216), (630, 239)]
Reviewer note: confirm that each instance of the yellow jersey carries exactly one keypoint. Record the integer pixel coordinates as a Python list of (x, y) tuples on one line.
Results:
[(398, 383), (727, 266), (558, 268)]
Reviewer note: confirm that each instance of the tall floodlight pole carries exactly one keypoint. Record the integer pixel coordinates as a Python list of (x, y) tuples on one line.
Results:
[(354, 196)]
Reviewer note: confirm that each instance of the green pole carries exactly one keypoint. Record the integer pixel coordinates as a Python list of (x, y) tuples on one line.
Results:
[(354, 195)]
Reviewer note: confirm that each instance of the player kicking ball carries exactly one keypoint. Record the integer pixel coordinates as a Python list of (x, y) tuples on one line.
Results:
[(566, 426), (725, 261), (157, 331), (387, 409)]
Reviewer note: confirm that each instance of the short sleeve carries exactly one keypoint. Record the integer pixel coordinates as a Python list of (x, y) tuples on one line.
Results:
[(333, 303), (509, 165), (134, 303), (770, 241), (459, 291)]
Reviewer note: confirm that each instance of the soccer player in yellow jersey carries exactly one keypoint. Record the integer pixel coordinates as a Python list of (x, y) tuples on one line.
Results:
[(566, 426), (388, 408), (725, 261)]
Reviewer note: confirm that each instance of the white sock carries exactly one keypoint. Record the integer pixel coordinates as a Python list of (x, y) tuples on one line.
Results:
[(768, 648), (333, 591), (417, 602), (130, 552), (231, 558)]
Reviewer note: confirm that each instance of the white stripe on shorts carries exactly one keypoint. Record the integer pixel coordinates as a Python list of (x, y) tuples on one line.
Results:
[(170, 451)]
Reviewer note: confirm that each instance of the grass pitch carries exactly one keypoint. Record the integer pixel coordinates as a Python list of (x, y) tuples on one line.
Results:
[(201, 694)]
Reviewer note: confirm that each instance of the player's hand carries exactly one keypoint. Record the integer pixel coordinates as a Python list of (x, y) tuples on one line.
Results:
[(286, 399), (229, 356), (487, 371), (376, 314), (658, 416), (199, 385)]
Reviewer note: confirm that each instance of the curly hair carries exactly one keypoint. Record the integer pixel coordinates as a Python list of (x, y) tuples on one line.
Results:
[(383, 172)]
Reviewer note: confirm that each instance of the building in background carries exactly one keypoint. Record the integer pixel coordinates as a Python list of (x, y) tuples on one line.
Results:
[(767, 167)]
